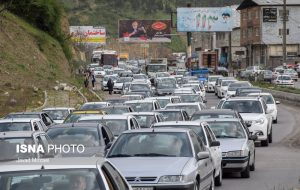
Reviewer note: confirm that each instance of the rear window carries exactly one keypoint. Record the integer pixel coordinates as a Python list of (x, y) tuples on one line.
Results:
[(20, 126)]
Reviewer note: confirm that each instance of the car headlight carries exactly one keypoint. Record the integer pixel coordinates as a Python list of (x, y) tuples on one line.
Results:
[(234, 154), (260, 121), (171, 179)]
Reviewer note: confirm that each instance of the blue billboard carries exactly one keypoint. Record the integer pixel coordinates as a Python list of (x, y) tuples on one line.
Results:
[(216, 19)]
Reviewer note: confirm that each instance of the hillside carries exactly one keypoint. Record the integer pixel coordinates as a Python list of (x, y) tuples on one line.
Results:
[(28, 57)]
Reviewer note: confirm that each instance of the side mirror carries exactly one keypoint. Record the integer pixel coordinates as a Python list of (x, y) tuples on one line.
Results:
[(215, 143), (203, 155), (277, 102), (253, 137)]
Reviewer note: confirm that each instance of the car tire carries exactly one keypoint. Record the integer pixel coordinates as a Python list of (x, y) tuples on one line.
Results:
[(219, 178), (270, 136), (252, 167), (246, 172), (275, 121), (265, 142)]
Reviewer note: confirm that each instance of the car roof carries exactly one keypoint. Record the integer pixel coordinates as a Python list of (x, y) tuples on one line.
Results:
[(116, 106), (158, 98), (164, 130), (25, 113), (260, 94), (58, 108), (100, 117), (242, 98), (88, 112), (183, 104), (176, 123), (221, 111), (69, 125), (53, 163), (18, 120), (219, 119), (18, 134), (169, 110), (139, 101), (141, 113), (100, 103)]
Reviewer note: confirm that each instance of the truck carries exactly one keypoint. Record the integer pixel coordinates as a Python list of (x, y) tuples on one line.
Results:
[(105, 57), (123, 56), (156, 65)]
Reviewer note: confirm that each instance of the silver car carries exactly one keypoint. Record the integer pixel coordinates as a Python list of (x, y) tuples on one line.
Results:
[(163, 159), (237, 145)]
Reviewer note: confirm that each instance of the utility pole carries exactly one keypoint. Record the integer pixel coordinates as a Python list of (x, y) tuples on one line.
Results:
[(284, 32), (189, 46), (230, 53)]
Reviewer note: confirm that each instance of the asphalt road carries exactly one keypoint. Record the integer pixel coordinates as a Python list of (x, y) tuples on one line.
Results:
[(277, 166)]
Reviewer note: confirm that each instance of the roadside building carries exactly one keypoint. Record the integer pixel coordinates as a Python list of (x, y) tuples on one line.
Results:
[(262, 29)]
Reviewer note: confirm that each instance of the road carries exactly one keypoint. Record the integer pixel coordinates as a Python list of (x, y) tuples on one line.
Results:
[(277, 166)]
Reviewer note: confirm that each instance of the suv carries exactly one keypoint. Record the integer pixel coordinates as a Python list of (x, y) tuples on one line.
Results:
[(256, 115)]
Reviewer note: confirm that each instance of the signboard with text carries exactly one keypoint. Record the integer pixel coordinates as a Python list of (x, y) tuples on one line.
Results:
[(269, 14), (95, 35)]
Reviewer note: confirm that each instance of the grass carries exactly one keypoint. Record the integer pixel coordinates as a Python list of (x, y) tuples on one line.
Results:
[(276, 87)]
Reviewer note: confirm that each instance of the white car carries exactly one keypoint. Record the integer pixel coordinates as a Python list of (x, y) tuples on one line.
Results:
[(116, 123), (118, 86), (146, 119), (256, 115), (94, 105), (231, 90), (190, 108), (271, 103), (22, 124), (292, 73), (143, 105), (284, 80), (164, 100), (99, 72), (105, 80), (58, 114), (211, 82), (186, 90), (222, 90), (199, 88), (203, 130), (219, 81)]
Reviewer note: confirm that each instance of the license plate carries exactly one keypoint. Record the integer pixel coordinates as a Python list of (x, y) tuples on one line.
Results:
[(142, 188)]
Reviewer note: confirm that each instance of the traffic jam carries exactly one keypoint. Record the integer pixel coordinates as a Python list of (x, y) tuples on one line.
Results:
[(154, 130)]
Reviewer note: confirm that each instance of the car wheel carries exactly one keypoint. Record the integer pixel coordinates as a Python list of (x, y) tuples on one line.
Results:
[(212, 184), (197, 185), (246, 172), (275, 121), (219, 178), (265, 142), (252, 167), (270, 136)]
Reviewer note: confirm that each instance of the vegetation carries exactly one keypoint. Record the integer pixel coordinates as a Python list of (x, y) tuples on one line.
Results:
[(277, 87)]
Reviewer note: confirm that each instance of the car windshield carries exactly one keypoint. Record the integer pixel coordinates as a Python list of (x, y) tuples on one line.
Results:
[(190, 98), (157, 68), (268, 98), (190, 109), (124, 79), (73, 118), (196, 128), (243, 106), (145, 121), (60, 179), (115, 110), (92, 106), (211, 115), (172, 115), (87, 136), (154, 144), (57, 114), (234, 86), (163, 102), (139, 87), (116, 126), (227, 129), (248, 91), (141, 107), (15, 126), (284, 78), (8, 147), (226, 83), (212, 79), (31, 116)]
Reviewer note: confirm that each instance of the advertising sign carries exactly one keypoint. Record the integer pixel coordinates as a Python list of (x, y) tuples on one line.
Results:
[(143, 31), (88, 34), (269, 14), (217, 19)]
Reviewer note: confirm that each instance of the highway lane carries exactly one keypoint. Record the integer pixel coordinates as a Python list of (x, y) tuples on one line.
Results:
[(277, 166)]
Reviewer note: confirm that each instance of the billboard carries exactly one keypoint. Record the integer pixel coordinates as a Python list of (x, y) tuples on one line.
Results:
[(144, 31), (269, 14), (216, 19), (95, 35)]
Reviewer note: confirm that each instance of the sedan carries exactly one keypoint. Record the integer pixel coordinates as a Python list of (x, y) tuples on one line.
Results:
[(163, 159), (292, 73), (237, 145), (114, 78), (20, 124), (147, 119), (94, 105), (63, 174), (118, 85), (143, 105), (93, 137), (284, 80), (203, 130), (58, 114)]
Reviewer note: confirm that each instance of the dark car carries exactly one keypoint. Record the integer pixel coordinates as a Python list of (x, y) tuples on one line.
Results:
[(47, 120), (94, 137)]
